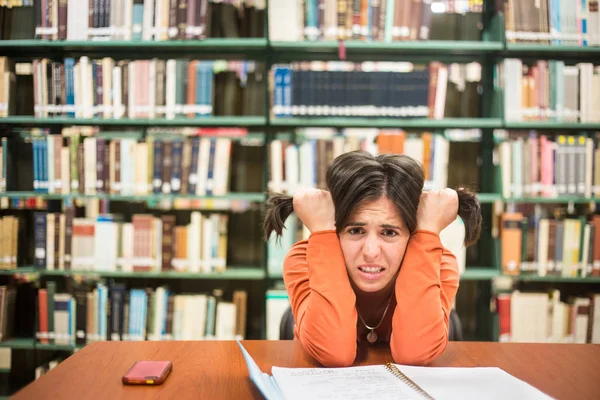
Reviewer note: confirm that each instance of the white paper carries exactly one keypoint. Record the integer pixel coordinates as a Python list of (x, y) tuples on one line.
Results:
[(488, 383), (360, 383)]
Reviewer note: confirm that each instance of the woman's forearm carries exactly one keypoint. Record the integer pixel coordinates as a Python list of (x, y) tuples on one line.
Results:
[(323, 302), (425, 290)]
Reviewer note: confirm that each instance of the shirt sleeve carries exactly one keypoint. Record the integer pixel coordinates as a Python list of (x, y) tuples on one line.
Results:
[(322, 299), (425, 289)]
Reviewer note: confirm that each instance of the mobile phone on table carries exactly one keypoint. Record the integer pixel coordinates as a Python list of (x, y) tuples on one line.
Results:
[(148, 373)]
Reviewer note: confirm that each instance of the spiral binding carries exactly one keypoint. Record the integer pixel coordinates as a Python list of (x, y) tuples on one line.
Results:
[(407, 381)]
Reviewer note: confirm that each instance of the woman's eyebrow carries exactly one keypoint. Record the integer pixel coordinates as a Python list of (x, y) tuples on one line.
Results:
[(390, 226), (387, 226)]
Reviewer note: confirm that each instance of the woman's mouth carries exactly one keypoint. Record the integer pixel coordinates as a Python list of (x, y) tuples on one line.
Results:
[(371, 272)]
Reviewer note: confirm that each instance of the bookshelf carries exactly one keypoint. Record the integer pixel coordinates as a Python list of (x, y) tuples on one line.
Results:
[(492, 49)]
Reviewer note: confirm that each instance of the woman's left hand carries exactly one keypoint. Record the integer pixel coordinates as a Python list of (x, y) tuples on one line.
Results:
[(437, 210)]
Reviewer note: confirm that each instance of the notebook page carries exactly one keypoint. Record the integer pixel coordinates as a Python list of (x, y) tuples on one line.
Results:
[(352, 383), (261, 380), (490, 383)]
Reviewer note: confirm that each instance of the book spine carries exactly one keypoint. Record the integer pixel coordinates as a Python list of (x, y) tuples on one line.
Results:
[(62, 19), (182, 19), (177, 164), (40, 239)]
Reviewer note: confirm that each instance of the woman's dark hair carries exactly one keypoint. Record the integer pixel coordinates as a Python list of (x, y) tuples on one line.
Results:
[(357, 177)]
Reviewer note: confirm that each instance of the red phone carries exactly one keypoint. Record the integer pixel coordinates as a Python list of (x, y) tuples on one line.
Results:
[(148, 373)]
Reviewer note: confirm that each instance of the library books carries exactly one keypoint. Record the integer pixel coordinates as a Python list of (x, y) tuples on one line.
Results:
[(551, 90), (150, 89), (79, 161), (532, 164), (556, 22), (544, 317), (304, 164), (379, 20), (146, 244), (113, 312), (146, 20), (375, 89), (567, 245)]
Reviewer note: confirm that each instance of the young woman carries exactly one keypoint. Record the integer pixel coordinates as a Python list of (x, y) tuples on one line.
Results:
[(373, 269)]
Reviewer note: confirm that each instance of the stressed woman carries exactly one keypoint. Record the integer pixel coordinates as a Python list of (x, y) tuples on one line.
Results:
[(374, 268)]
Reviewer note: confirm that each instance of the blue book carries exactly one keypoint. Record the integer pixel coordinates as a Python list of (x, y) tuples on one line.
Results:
[(287, 92), (39, 237), (278, 94), (44, 165), (370, 20), (555, 27), (176, 166), (36, 162), (165, 307), (209, 87), (211, 168), (193, 179), (157, 167), (70, 86), (137, 19)]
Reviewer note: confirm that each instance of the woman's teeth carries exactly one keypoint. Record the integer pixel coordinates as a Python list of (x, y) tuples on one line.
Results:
[(372, 270)]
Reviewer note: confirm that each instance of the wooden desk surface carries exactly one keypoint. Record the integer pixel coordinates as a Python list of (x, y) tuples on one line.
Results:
[(216, 370)]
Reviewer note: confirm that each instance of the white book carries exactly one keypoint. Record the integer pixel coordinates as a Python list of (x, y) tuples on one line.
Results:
[(542, 247), (276, 184), (291, 168), (221, 168), (105, 246), (283, 21), (107, 86), (225, 321), (77, 27), (440, 161), (152, 89), (141, 168), (127, 19), (148, 22), (307, 173), (194, 241), (513, 73), (203, 157), (116, 11), (585, 261), (589, 166), (170, 87), (89, 150), (207, 244)]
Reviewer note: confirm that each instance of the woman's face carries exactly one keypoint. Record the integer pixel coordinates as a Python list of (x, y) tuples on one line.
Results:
[(373, 243)]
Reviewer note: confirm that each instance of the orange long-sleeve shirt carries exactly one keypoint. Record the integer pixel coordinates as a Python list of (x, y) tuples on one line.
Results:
[(324, 304)]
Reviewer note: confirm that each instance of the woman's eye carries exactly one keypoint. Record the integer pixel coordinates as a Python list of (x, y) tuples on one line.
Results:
[(355, 231), (390, 233)]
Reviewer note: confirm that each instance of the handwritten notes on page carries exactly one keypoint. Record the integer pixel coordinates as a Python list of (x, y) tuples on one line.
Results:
[(352, 383)]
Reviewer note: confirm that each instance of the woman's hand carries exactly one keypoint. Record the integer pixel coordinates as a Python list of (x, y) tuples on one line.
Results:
[(437, 210), (315, 209)]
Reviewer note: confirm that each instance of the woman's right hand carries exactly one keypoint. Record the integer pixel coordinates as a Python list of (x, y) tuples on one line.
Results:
[(315, 209)]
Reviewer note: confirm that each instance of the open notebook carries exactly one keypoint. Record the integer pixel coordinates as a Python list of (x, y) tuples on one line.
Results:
[(390, 381)]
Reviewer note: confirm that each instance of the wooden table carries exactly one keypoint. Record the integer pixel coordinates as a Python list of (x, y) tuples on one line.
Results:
[(216, 370)]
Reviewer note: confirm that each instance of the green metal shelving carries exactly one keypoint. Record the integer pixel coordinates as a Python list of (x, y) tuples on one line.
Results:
[(249, 197), (232, 273), (479, 274), (423, 123), (229, 121)]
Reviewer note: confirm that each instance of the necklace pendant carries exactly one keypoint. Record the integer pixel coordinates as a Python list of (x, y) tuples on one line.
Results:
[(372, 337)]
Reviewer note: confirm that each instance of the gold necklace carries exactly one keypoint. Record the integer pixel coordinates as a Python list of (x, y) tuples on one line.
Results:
[(372, 336)]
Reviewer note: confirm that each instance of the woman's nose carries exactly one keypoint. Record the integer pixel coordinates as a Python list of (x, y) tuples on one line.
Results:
[(371, 248)]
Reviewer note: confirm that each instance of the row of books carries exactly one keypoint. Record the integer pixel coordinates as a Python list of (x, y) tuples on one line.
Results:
[(560, 244), (545, 317), (550, 90), (113, 312), (46, 367), (379, 20), (146, 244), (294, 165), (384, 89), (89, 165), (556, 22), (157, 88), (157, 20), (549, 165)]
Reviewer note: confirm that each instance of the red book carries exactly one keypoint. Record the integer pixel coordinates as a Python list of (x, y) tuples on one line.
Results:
[(43, 313), (503, 309)]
